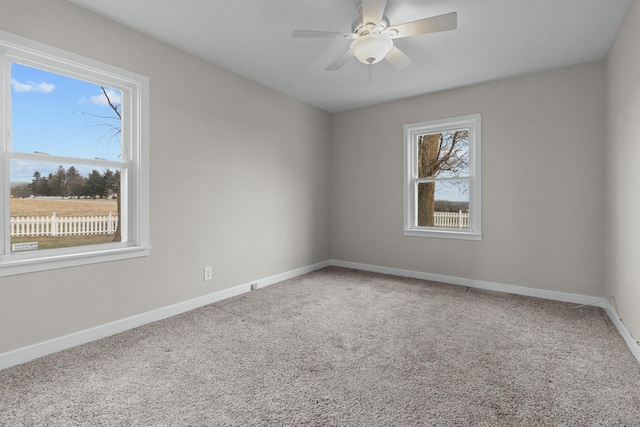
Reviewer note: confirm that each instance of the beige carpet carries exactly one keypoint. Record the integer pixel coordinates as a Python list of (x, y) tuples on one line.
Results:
[(340, 347)]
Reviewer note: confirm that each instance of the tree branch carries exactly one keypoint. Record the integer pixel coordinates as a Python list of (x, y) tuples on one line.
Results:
[(113, 107)]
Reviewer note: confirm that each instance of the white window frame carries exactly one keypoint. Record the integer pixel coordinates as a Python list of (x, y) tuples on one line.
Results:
[(135, 142), (411, 180)]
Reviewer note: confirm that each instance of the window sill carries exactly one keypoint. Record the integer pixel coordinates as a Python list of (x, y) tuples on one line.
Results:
[(9, 267), (443, 234)]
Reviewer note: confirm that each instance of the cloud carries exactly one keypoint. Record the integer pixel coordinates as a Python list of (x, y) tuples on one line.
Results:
[(102, 100), (22, 170), (41, 87)]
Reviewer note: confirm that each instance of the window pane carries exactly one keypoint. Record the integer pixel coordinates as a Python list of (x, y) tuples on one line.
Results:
[(63, 116), (57, 206), (443, 204), (443, 155)]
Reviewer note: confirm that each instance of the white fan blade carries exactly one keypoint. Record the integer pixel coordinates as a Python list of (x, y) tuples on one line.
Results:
[(398, 58), (434, 24), (372, 11), (319, 34), (338, 63)]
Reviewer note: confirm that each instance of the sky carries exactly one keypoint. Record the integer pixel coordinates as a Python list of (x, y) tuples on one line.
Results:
[(453, 191), (62, 116)]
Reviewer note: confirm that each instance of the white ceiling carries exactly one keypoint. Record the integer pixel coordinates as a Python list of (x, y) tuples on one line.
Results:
[(494, 39)]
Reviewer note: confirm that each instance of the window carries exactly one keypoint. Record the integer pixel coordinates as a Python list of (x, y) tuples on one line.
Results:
[(442, 178), (75, 159)]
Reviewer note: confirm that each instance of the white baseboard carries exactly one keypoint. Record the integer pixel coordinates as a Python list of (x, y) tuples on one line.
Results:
[(291, 274), (633, 345), (471, 283), (518, 290), (25, 354)]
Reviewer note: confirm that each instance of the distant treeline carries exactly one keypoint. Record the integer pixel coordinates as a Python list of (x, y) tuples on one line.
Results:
[(69, 183), (449, 206)]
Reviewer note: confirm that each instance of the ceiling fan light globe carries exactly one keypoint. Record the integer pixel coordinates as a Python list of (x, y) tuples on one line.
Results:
[(372, 48)]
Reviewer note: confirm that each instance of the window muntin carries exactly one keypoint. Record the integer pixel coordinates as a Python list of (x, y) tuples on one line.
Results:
[(442, 178), (80, 127)]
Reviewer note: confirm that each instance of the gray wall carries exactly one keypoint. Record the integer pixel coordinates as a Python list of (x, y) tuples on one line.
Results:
[(241, 167), (623, 172), (266, 184), (542, 183)]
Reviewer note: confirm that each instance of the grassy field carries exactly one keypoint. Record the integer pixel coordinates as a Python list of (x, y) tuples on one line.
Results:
[(64, 241), (63, 207)]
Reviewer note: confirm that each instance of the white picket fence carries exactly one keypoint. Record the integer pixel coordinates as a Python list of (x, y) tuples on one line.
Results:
[(63, 226), (451, 219), (88, 225)]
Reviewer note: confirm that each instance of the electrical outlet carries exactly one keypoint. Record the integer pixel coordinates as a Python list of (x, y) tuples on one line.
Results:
[(208, 273)]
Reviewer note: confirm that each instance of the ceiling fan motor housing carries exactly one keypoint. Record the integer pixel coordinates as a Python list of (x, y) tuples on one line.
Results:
[(361, 29)]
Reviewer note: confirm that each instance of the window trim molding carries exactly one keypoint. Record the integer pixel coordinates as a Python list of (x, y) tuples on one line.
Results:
[(135, 87), (411, 133)]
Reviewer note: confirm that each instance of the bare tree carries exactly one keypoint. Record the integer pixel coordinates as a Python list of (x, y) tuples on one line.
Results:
[(439, 155), (118, 235)]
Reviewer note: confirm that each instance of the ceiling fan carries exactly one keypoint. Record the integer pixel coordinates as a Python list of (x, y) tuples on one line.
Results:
[(373, 35)]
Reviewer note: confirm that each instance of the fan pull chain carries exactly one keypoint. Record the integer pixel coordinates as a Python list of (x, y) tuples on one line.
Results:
[(370, 66)]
